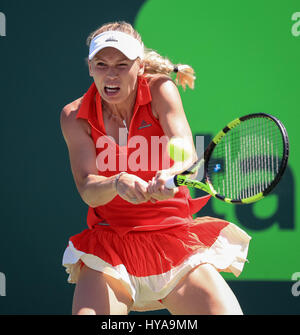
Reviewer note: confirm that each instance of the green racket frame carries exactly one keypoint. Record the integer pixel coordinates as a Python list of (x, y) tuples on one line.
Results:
[(183, 179)]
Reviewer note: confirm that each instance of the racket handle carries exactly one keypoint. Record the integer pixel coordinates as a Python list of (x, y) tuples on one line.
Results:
[(170, 183)]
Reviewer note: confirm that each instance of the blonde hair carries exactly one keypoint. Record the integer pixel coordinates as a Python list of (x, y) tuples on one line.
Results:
[(154, 63)]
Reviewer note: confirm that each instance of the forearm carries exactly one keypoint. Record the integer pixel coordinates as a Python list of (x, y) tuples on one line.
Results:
[(179, 167), (98, 190)]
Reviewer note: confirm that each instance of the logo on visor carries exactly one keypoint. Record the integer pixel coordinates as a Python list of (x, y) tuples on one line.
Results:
[(111, 39)]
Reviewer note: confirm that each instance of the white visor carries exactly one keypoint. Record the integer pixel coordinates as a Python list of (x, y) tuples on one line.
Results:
[(125, 43)]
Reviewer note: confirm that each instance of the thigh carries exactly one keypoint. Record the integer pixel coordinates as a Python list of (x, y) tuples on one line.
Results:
[(202, 291), (99, 294)]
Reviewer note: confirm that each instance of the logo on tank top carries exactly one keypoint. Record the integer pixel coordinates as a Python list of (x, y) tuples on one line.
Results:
[(144, 124)]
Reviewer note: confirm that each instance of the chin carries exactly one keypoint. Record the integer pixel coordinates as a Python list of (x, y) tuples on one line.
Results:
[(119, 98)]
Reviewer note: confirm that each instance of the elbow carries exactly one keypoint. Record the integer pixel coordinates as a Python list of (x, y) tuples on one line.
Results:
[(88, 199), (85, 193), (93, 191), (90, 203)]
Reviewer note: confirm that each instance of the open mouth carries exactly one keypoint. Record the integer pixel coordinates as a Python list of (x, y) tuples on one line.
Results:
[(111, 90)]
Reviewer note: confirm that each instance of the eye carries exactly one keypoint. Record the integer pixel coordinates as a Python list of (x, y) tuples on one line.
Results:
[(122, 65), (101, 64)]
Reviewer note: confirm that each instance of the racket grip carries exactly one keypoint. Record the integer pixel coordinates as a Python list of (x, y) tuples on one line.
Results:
[(170, 183)]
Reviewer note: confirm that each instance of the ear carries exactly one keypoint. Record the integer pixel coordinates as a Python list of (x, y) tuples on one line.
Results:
[(90, 68)]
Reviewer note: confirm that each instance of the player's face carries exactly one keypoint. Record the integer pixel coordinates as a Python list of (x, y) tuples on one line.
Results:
[(115, 75)]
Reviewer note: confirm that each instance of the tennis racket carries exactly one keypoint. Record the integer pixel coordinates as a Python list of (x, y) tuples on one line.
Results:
[(244, 161)]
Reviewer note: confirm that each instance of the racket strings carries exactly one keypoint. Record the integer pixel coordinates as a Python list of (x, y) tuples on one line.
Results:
[(247, 159)]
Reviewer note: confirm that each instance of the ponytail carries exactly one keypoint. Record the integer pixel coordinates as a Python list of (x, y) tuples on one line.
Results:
[(156, 64)]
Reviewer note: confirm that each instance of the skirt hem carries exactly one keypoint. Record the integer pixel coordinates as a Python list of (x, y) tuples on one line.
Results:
[(227, 254)]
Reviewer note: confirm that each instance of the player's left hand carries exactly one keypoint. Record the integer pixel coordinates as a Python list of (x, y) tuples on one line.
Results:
[(157, 189)]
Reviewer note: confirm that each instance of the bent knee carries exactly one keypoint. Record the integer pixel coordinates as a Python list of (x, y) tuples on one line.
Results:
[(85, 311), (202, 291)]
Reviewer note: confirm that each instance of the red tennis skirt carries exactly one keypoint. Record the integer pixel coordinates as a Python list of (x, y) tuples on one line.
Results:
[(151, 263)]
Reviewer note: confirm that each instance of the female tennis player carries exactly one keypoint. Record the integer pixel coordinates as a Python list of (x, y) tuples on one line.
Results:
[(142, 249)]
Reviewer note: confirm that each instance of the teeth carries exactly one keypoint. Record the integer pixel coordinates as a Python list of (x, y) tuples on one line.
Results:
[(112, 89), (111, 86)]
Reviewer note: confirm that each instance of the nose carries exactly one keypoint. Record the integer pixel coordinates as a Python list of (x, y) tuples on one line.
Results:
[(112, 72)]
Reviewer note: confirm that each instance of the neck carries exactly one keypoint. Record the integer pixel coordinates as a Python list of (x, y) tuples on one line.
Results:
[(116, 111), (120, 112)]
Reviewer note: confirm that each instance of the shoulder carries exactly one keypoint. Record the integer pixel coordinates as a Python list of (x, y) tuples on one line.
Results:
[(165, 94), (68, 119), (163, 89), (159, 83), (70, 110)]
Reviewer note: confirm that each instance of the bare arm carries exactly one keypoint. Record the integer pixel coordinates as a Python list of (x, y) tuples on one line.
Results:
[(167, 106), (169, 109), (95, 190)]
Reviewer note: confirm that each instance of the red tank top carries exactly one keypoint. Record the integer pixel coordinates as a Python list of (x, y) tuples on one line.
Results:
[(144, 132)]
